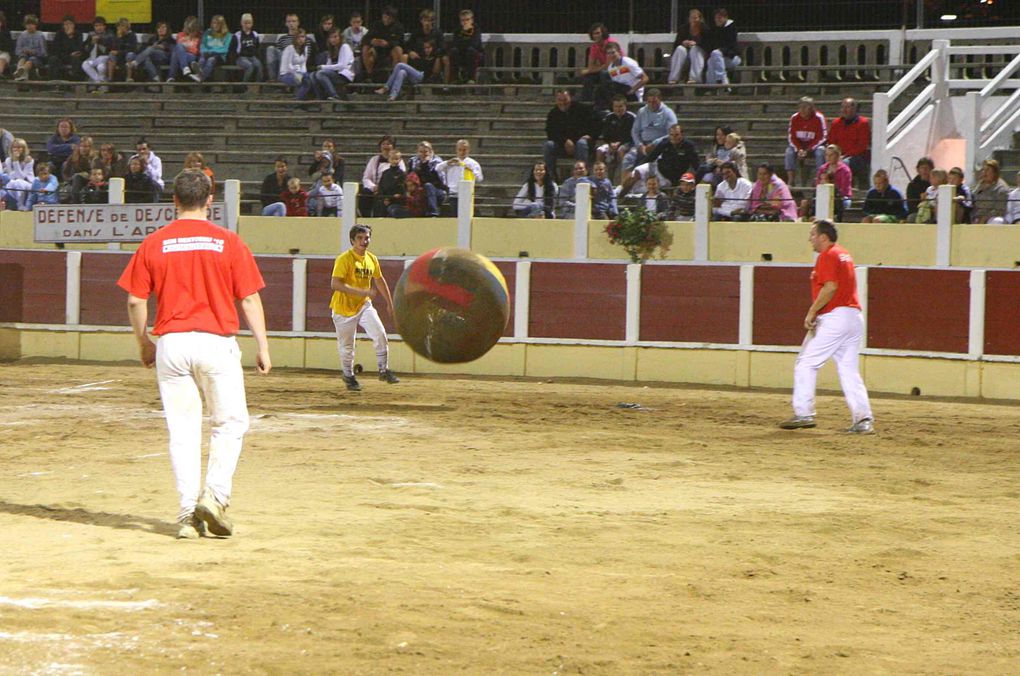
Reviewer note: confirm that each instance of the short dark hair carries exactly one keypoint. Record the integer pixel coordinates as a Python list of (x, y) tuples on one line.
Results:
[(191, 188), (620, 97), (99, 19), (767, 167), (926, 160), (730, 165), (68, 17), (389, 10), (141, 140), (356, 14), (722, 11), (280, 158), (390, 138), (654, 91), (826, 227), (359, 228), (599, 24)]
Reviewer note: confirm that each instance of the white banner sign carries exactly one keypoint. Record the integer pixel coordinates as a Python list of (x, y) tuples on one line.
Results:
[(107, 222)]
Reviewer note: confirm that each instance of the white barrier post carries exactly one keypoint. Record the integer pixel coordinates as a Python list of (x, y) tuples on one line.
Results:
[(879, 132), (232, 202), (745, 327), (825, 200), (944, 223), (299, 293), (522, 299), (72, 308), (632, 330), (702, 216), (582, 214), (465, 212), (976, 334), (116, 196), (348, 214)]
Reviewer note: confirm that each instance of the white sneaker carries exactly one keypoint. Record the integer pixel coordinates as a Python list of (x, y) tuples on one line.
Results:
[(213, 514), (191, 528), (862, 426)]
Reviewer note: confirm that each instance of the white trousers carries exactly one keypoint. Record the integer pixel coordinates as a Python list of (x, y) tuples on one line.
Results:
[(346, 327), (681, 55), (96, 68), (837, 335), (188, 366)]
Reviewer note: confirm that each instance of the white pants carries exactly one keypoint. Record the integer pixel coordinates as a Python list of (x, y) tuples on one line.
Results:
[(837, 335), (681, 55), (346, 327), (189, 365), (96, 68)]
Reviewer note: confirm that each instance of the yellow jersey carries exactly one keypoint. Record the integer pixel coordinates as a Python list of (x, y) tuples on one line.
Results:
[(357, 271)]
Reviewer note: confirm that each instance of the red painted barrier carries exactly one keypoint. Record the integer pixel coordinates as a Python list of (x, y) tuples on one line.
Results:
[(924, 310), (578, 300), (1002, 318), (102, 302), (690, 303), (782, 296), (33, 286), (278, 295)]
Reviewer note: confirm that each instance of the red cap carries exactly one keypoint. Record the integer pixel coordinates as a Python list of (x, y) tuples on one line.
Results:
[(687, 178)]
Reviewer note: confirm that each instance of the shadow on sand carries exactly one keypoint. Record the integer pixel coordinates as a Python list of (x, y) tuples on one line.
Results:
[(89, 518)]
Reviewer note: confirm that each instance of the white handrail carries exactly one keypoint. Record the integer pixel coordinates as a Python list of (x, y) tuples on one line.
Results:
[(999, 79), (914, 107), (1007, 105), (913, 74)]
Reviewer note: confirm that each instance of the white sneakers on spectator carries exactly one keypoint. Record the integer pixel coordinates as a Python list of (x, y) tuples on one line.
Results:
[(20, 75), (192, 70)]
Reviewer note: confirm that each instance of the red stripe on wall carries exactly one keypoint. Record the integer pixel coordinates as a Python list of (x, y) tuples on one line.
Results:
[(103, 303), (33, 286), (578, 300), (317, 314), (782, 296), (1002, 312), (690, 304), (927, 310), (278, 296)]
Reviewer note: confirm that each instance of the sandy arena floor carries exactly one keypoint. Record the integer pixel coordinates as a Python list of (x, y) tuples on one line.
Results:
[(481, 526)]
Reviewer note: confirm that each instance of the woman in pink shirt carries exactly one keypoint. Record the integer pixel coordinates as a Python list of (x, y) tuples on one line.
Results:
[(842, 177), (770, 197)]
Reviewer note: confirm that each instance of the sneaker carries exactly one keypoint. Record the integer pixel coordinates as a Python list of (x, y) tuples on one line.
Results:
[(387, 376), (214, 514), (798, 422), (20, 75), (352, 384), (863, 426), (192, 71), (191, 528)]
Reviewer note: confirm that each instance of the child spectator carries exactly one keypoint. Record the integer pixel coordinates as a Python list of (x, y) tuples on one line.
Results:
[(466, 54), (78, 167), (423, 67), (738, 152), (295, 200), (97, 189), (125, 49), (353, 35), (186, 50), (426, 166), (274, 184), (392, 187), (98, 47), (44, 187), (67, 51), (328, 197), (153, 165), (385, 41), (537, 197), (30, 49), (416, 205), (196, 162), (157, 53), (60, 146), (884, 203), (244, 47), (927, 210), (917, 186), (654, 200), (460, 168), (138, 186), (19, 169), (684, 199), (603, 197), (327, 161), (213, 50), (566, 197), (113, 164), (842, 178), (337, 70), (964, 197), (294, 66), (6, 46)]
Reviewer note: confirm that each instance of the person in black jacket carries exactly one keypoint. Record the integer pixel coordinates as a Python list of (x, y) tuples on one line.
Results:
[(125, 49), (675, 156), (139, 187), (157, 53), (568, 131), (67, 51), (615, 136), (721, 46), (275, 183), (244, 50), (384, 42), (466, 54)]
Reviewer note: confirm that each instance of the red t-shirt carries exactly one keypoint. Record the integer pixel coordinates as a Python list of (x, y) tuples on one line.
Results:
[(295, 202), (197, 269), (835, 265), (597, 52)]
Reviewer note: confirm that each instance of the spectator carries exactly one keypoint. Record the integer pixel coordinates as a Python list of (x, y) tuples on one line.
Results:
[(157, 54), (597, 60), (770, 197), (669, 159), (392, 193), (466, 54), (153, 165), (6, 140), (424, 67), (537, 196), (964, 197), (97, 190), (416, 205), (213, 50), (60, 146), (883, 203), (373, 172), (738, 152), (385, 41), (684, 202), (651, 125), (44, 187), (274, 184), (67, 52), (654, 200), (294, 66), (990, 195), (721, 47), (1013, 204), (98, 47), (460, 168), (623, 76), (615, 136), (328, 196), (852, 132), (295, 200), (568, 129), (244, 47), (113, 164), (124, 51), (78, 167), (321, 36), (337, 69), (927, 208), (327, 160), (715, 157), (138, 186), (426, 165), (687, 47), (186, 49), (19, 168), (918, 184), (603, 196), (275, 52), (806, 137), (30, 49), (566, 197), (842, 178), (196, 162), (426, 30), (354, 35), (6, 46), (733, 195)]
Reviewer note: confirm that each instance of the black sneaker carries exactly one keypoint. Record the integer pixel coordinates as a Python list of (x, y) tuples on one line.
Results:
[(352, 384), (388, 376)]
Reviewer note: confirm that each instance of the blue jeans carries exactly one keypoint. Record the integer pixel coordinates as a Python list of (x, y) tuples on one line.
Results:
[(150, 59), (208, 62), (180, 58), (275, 209), (551, 150), (300, 89), (273, 54), (252, 68), (400, 72), (790, 161), (326, 82), (434, 197), (718, 65)]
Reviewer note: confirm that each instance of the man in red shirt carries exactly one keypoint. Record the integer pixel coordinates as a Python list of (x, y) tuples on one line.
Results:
[(806, 137), (197, 270), (834, 325), (852, 133)]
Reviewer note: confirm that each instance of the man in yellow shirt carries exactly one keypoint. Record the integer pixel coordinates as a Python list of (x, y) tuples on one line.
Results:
[(357, 279)]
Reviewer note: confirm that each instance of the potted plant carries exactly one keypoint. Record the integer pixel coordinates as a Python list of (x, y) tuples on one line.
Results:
[(640, 232)]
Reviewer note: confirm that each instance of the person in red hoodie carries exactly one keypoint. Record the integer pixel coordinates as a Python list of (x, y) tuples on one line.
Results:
[(852, 132), (294, 199), (807, 137)]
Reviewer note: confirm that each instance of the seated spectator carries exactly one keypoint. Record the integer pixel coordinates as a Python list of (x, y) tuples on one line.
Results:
[(416, 205), (424, 67), (842, 178), (687, 48), (138, 185), (460, 168), (295, 200), (990, 195), (373, 172), (186, 49), (732, 196), (97, 190), (213, 50), (668, 160), (721, 47), (98, 46), (684, 202), (60, 146), (196, 162), (156, 54), (568, 129), (113, 164), (852, 132), (537, 197), (385, 41), (327, 160), (651, 125), (294, 66), (321, 36), (806, 137), (603, 196), (884, 203), (770, 197), (274, 184), (19, 170), (918, 184), (615, 136), (244, 49), (1013, 205), (597, 60), (737, 151), (716, 156), (964, 198), (328, 195), (466, 54), (426, 30), (124, 51), (392, 192), (622, 76), (153, 165), (275, 52), (30, 49), (78, 167), (6, 140), (354, 35), (6, 46), (806, 211), (566, 197), (44, 188), (67, 52), (927, 208), (426, 165), (337, 69), (653, 199)]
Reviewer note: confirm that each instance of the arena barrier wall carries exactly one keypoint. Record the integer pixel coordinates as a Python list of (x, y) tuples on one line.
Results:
[(944, 331)]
